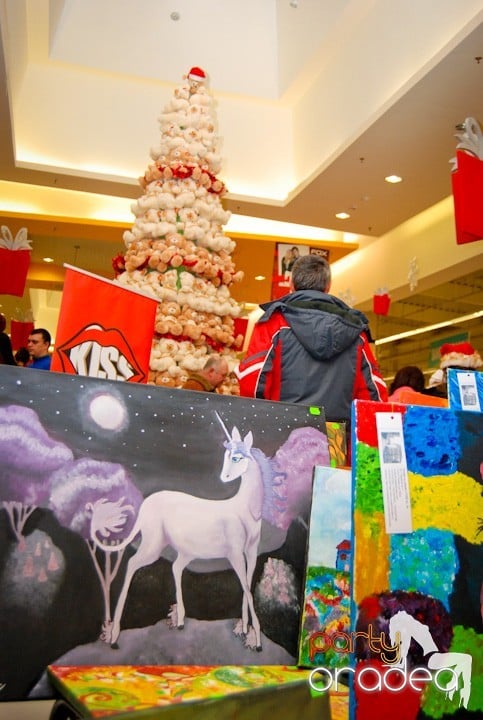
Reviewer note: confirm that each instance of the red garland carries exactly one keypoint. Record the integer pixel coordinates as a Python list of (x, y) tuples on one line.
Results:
[(118, 264)]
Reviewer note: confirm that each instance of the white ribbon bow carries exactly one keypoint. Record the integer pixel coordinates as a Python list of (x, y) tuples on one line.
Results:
[(21, 241), (470, 140)]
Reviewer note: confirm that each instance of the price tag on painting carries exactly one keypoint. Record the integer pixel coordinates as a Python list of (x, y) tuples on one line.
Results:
[(394, 473)]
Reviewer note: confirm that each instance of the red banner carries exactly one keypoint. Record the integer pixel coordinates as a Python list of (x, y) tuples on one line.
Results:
[(467, 181), (104, 330), (19, 333)]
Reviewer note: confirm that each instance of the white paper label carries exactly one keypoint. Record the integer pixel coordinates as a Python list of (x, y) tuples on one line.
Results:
[(394, 473), (468, 391)]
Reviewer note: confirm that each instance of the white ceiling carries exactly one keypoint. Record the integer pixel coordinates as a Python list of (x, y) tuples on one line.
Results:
[(316, 102)]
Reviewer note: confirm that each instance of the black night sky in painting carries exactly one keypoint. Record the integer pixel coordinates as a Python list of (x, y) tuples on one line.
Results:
[(78, 453), (145, 428)]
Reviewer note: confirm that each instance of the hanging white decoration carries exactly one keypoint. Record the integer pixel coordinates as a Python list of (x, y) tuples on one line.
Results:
[(413, 273), (348, 297)]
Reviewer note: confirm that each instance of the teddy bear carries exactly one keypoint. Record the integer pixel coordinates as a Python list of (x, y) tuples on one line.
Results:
[(167, 346), (170, 308), (191, 329), (168, 326), (201, 176), (164, 379), (160, 364), (171, 256), (168, 319), (136, 260)]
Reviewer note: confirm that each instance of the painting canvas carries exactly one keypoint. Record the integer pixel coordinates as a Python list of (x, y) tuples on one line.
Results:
[(465, 390), (326, 606), (105, 690), (145, 525), (337, 437), (419, 593)]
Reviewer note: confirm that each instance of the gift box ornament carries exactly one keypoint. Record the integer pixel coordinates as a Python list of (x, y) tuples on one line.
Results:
[(467, 182), (381, 301), (14, 261)]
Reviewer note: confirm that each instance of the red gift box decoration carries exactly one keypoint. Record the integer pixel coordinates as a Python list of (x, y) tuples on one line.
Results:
[(467, 182), (14, 265), (381, 303)]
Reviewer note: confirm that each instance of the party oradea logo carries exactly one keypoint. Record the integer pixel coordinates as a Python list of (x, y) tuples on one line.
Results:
[(450, 672), (101, 353)]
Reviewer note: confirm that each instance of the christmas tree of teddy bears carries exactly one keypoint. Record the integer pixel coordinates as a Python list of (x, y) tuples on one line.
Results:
[(176, 249)]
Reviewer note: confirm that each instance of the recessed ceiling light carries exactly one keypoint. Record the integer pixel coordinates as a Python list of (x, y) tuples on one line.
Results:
[(48, 260), (393, 179), (259, 277), (342, 215)]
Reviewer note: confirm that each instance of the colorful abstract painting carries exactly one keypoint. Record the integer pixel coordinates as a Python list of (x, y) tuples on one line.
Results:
[(337, 437), (326, 608), (101, 691), (418, 595), (142, 524)]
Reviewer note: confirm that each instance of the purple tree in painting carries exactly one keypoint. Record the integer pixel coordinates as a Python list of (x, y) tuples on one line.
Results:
[(292, 467), (29, 456), (88, 492)]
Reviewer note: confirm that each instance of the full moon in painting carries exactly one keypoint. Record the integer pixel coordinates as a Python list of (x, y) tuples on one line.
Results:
[(107, 412)]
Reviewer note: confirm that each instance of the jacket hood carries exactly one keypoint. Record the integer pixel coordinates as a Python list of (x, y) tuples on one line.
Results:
[(323, 324)]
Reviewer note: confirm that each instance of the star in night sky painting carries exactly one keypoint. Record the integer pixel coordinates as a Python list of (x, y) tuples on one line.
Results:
[(148, 525)]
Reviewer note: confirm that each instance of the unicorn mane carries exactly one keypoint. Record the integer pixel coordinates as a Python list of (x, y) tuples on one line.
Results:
[(274, 497)]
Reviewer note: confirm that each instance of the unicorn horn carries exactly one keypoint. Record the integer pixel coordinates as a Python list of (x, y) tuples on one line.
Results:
[(223, 425)]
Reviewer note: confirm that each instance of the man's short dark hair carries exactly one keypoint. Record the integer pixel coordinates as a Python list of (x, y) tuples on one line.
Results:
[(311, 272), (42, 331)]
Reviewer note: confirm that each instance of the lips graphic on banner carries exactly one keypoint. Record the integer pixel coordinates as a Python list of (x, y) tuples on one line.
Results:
[(104, 330), (99, 352)]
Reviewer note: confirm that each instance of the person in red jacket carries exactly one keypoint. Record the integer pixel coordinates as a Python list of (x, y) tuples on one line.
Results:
[(310, 347)]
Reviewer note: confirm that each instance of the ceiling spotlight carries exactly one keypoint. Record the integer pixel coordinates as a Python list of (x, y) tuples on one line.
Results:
[(175, 16), (342, 215), (48, 260), (393, 179), (259, 277), (294, 3)]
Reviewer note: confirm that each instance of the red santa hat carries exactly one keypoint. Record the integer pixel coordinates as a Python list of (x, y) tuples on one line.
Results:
[(461, 355), (197, 74)]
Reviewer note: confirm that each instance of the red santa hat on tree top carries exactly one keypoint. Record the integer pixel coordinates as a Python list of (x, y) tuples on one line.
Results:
[(197, 75), (461, 355)]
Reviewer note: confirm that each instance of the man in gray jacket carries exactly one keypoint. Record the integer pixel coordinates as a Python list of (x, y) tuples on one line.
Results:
[(310, 347)]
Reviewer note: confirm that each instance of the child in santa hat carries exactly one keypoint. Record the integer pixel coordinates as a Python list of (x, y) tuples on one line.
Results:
[(461, 356)]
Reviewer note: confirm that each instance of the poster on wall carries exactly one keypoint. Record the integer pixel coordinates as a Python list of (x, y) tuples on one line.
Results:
[(285, 256), (104, 330), (420, 590), (146, 524)]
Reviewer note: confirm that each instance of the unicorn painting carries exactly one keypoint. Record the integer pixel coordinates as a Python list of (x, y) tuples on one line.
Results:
[(176, 534), (200, 528)]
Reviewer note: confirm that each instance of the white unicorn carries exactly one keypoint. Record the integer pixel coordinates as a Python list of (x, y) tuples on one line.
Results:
[(200, 528)]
